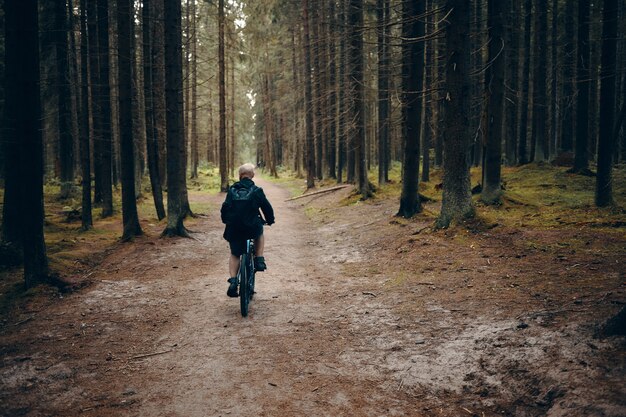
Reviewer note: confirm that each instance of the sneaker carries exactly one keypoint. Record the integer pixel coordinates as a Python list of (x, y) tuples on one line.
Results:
[(232, 288), (259, 263)]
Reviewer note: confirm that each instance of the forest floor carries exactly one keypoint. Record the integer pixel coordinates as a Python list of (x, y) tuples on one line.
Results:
[(360, 313)]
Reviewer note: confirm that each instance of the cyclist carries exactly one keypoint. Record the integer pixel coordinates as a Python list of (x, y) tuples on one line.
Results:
[(240, 213)]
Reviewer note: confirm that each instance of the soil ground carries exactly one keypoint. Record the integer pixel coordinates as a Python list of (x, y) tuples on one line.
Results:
[(359, 314)]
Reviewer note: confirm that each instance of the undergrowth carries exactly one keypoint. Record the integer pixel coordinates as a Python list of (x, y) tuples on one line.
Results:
[(534, 195)]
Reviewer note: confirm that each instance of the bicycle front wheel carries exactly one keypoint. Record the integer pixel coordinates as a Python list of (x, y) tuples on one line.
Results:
[(244, 285)]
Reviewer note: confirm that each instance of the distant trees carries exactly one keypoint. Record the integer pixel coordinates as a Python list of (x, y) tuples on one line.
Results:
[(333, 89)]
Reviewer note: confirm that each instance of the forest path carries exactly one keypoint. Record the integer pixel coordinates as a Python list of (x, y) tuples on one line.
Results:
[(285, 358), (359, 314)]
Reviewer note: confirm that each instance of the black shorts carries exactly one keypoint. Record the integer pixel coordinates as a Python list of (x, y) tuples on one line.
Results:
[(237, 241)]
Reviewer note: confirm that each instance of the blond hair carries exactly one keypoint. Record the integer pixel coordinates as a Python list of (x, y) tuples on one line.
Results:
[(246, 170)]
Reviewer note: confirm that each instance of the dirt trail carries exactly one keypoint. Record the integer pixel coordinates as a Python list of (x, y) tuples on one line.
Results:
[(156, 335), (281, 360), (358, 314)]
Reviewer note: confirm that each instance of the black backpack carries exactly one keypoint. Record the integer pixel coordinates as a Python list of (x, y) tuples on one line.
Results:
[(244, 209)]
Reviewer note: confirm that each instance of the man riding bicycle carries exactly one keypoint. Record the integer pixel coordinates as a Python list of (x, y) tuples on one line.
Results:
[(240, 213)]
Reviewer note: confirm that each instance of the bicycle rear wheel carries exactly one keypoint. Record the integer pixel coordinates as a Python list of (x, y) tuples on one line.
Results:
[(244, 284)]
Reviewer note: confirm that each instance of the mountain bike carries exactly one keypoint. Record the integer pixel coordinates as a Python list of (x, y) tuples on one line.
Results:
[(245, 276)]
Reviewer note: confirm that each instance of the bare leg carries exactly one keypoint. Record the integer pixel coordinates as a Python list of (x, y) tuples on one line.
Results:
[(259, 244), (233, 265)]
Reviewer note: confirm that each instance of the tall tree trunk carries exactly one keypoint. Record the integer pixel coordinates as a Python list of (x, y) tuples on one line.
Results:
[(456, 202), (297, 150), (66, 139), (412, 86), (158, 86), (186, 74), (152, 134), (341, 97), (95, 94), (427, 98), (494, 85), (105, 141), (522, 153), (594, 86), (554, 69), (73, 24), (317, 92), (308, 100), (604, 186), (222, 99), (23, 121), (355, 27), (581, 155), (479, 110), (569, 66), (138, 103), (232, 118), (539, 136), (332, 93), (85, 155), (382, 7), (194, 94), (438, 106), (512, 74), (176, 178), (130, 218)]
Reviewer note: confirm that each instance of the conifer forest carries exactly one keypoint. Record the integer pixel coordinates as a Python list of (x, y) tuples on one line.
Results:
[(448, 179)]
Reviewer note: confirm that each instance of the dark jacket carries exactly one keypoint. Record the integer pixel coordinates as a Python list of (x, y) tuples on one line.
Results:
[(250, 228)]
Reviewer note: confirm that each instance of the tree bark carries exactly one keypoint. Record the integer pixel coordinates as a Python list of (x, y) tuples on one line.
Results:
[(456, 200), (522, 153), (494, 85), (152, 134), (130, 218), (176, 178), (84, 146), (512, 103), (412, 86), (355, 28), (539, 136), (332, 93), (581, 155), (23, 121), (308, 100), (95, 94), (341, 96), (554, 69), (158, 86), (222, 99), (66, 139), (604, 186), (569, 64), (194, 94), (382, 7), (104, 139)]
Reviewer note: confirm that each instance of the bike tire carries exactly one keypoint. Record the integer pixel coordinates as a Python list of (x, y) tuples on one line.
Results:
[(251, 250), (244, 285)]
